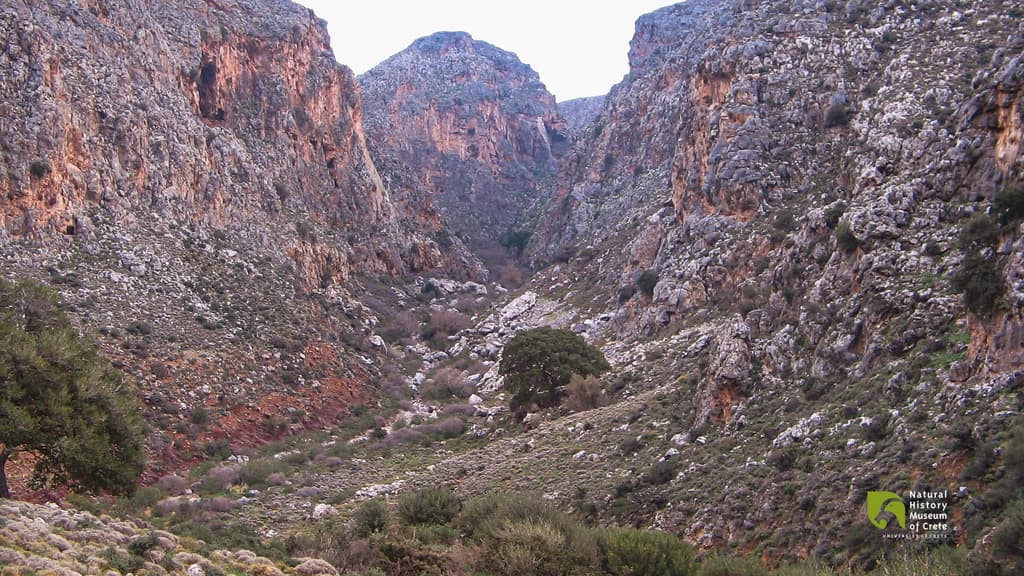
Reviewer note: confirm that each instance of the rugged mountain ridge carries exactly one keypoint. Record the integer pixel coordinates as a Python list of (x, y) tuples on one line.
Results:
[(792, 180), (463, 125), (195, 178)]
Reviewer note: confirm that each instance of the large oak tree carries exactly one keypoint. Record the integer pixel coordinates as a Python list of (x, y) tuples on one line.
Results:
[(538, 364)]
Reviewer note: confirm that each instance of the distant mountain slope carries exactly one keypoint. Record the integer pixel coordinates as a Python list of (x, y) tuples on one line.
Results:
[(580, 113), (465, 126)]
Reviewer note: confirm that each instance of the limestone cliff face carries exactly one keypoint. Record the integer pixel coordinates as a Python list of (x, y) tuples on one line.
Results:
[(795, 176), (195, 178), (472, 128), (225, 113), (740, 123)]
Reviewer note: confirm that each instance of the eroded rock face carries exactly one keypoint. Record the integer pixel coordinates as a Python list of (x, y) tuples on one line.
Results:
[(745, 135), (194, 177), (794, 177), (462, 125), (227, 114)]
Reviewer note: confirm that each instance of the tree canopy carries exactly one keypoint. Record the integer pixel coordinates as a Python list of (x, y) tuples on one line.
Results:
[(537, 364), (61, 401)]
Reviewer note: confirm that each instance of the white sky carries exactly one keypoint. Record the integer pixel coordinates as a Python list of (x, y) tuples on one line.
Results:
[(578, 47)]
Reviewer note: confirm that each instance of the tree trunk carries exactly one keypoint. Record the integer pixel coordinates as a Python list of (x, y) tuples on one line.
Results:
[(5, 489)]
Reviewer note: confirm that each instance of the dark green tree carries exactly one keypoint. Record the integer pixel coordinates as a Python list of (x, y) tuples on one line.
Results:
[(538, 364), (62, 402)]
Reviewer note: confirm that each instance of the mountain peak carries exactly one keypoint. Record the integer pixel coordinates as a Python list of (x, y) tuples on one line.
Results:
[(472, 126), (444, 39)]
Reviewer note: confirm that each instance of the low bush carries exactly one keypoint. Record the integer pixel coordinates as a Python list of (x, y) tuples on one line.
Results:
[(845, 238), (442, 324), (399, 327), (257, 472), (1009, 203), (447, 384), (626, 292), (39, 168), (428, 506), (585, 393), (371, 517), (647, 281), (219, 478), (981, 284), (632, 552), (662, 472), (833, 213), (978, 233), (719, 565), (837, 115), (1008, 538)]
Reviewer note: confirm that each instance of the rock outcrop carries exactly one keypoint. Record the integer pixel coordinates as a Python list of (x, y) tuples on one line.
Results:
[(195, 178), (464, 126)]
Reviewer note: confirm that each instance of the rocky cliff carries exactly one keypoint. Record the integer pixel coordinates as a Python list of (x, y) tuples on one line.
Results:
[(465, 126), (195, 177), (779, 198)]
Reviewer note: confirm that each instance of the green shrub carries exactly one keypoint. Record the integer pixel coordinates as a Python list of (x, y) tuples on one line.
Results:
[(122, 562), (647, 281), (482, 516), (977, 233), (980, 282), (837, 115), (845, 238), (720, 565), (145, 497), (1009, 203), (543, 549), (516, 241), (255, 472), (443, 237), (940, 561), (662, 472), (877, 429), (428, 506), (632, 552), (371, 517), (626, 292), (524, 534), (139, 545), (1008, 537), (433, 534), (199, 416), (39, 168), (403, 556), (833, 213), (1013, 455)]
